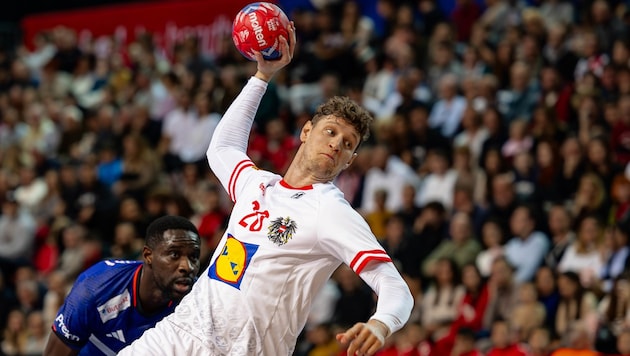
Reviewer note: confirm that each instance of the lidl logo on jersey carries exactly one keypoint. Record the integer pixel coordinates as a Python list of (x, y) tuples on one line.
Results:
[(230, 266), (114, 306)]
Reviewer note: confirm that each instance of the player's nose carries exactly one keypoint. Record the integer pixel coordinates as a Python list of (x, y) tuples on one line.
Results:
[(335, 143), (186, 266)]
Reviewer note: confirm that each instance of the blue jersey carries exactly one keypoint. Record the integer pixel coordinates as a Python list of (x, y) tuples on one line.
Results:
[(102, 315)]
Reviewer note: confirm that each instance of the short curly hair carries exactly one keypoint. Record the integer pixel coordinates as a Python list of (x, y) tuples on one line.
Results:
[(155, 231), (348, 110)]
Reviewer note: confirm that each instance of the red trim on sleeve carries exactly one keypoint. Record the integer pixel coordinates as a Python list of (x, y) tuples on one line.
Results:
[(364, 257), (371, 259), (360, 254), (235, 173), (134, 286)]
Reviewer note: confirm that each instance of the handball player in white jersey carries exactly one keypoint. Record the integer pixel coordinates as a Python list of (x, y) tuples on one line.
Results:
[(285, 238)]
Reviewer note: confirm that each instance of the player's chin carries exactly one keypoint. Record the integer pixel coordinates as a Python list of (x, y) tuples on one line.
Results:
[(180, 289)]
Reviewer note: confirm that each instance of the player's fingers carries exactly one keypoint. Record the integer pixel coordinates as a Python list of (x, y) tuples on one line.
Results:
[(284, 44), (358, 344), (351, 333), (367, 340), (352, 349), (344, 338), (293, 36), (258, 56), (374, 348), (370, 345)]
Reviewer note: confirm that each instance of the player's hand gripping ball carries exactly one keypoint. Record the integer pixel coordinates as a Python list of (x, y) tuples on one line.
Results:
[(258, 27)]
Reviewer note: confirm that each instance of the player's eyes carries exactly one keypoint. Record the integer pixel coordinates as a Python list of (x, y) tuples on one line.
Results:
[(174, 254), (330, 132)]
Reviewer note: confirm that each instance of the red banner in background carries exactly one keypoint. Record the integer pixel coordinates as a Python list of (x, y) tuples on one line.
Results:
[(169, 22)]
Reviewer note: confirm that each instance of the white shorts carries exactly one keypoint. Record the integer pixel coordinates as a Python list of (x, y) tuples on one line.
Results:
[(168, 340)]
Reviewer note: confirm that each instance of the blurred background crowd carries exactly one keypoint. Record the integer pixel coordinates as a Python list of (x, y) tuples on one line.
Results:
[(496, 175)]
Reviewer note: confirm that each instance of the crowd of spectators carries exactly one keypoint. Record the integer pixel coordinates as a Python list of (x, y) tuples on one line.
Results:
[(496, 175)]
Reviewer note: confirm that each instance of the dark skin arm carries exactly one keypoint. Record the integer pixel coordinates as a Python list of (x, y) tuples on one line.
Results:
[(56, 347)]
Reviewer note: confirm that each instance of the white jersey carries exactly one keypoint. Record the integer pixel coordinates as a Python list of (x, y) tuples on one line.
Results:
[(281, 245)]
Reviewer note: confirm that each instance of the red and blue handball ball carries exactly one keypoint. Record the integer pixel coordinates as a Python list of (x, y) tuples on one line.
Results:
[(258, 27)]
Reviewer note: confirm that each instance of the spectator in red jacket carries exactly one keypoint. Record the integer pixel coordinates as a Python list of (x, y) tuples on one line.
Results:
[(465, 344), (503, 341)]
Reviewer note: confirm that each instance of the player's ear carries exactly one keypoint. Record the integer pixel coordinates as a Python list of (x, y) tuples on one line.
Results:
[(147, 255), (306, 130), (354, 155)]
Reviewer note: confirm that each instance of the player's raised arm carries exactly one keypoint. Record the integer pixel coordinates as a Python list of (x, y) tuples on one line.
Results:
[(229, 143)]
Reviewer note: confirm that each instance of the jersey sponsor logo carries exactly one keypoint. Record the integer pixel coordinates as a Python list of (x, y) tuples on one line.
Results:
[(231, 264), (297, 195), (118, 335), (114, 306), (61, 326), (254, 221), (281, 230)]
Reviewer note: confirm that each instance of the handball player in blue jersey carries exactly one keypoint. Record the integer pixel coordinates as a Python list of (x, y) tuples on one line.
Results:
[(113, 302)]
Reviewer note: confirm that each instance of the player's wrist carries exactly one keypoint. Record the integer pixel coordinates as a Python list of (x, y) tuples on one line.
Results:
[(263, 76), (378, 328)]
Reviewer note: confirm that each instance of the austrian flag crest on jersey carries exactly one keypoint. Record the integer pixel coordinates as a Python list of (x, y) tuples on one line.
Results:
[(281, 230)]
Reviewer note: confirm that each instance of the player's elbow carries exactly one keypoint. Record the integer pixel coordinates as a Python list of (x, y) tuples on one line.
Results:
[(409, 301), (212, 154)]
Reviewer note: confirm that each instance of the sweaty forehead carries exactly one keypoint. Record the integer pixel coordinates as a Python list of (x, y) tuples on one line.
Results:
[(177, 237)]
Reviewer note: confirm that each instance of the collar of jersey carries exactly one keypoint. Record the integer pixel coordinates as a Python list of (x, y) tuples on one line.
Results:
[(286, 185), (136, 286)]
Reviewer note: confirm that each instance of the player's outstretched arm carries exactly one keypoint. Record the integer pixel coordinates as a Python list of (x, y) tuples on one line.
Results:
[(393, 309), (56, 347)]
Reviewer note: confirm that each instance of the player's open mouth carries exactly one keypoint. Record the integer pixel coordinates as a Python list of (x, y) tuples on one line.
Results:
[(183, 285)]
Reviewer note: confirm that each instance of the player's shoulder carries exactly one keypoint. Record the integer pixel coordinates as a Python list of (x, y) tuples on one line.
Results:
[(113, 265), (260, 179), (107, 270), (330, 194), (103, 280), (333, 202)]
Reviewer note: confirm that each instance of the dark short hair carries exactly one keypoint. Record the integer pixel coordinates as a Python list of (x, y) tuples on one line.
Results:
[(435, 206), (348, 110), (467, 333), (155, 231), (572, 276)]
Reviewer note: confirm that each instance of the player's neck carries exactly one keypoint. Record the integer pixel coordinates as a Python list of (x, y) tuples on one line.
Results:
[(150, 298), (299, 176)]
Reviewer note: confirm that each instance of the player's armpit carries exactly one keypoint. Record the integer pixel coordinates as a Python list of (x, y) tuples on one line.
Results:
[(56, 347)]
